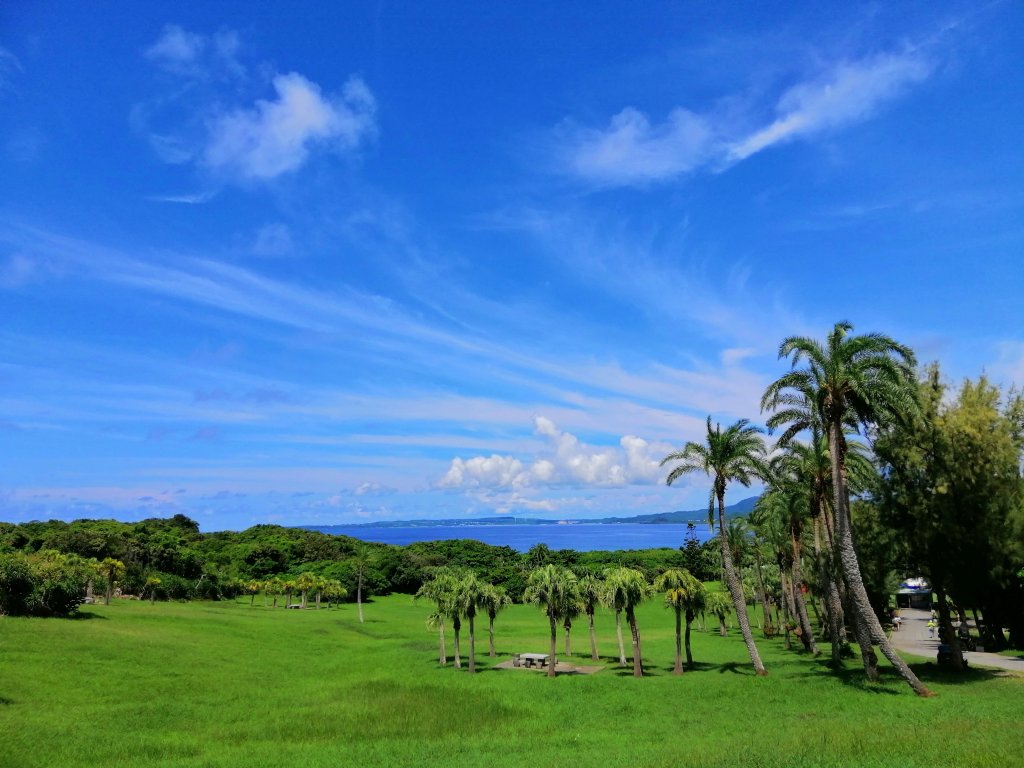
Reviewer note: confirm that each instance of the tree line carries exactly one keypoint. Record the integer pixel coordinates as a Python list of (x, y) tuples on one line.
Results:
[(170, 559)]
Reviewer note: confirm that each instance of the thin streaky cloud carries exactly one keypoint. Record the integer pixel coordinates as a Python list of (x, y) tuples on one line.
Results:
[(634, 151)]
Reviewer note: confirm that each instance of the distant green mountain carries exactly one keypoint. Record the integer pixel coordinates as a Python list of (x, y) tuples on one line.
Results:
[(680, 516), (738, 509)]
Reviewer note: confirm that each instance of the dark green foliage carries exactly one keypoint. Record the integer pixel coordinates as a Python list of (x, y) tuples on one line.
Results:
[(15, 584), (46, 583)]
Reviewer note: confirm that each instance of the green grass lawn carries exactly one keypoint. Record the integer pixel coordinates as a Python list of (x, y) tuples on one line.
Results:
[(223, 684)]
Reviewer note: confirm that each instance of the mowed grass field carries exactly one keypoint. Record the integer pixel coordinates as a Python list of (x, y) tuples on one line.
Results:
[(223, 684)]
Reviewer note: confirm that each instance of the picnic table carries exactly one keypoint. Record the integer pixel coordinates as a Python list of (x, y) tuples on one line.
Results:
[(533, 659)]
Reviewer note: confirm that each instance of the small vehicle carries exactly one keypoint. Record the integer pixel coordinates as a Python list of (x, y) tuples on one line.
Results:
[(945, 655)]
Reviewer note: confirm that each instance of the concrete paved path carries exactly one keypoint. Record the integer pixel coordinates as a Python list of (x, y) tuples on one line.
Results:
[(913, 638)]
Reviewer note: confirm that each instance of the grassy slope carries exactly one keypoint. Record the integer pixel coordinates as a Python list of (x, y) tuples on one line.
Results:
[(222, 684)]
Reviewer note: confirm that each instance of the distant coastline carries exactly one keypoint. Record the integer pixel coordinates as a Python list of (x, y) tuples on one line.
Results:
[(696, 516)]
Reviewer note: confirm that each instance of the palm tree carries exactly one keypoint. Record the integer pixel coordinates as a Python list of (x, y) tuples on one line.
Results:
[(152, 582), (494, 600), (683, 593), (719, 604), (440, 589), (333, 591), (590, 590), (288, 587), (359, 564), (553, 589), (304, 583), (864, 380), (628, 587), (275, 587), (786, 503), (469, 598), (111, 570), (612, 598), (737, 454)]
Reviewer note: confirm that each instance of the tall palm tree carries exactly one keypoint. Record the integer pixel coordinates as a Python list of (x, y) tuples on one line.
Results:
[(552, 588), (590, 589), (494, 600), (735, 454), (613, 598), (684, 594), (359, 565), (440, 590), (628, 587), (867, 380), (469, 599), (786, 502), (720, 605)]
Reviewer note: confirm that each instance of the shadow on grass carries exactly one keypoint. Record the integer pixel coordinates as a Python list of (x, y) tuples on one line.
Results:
[(5, 702), (890, 682), (85, 616)]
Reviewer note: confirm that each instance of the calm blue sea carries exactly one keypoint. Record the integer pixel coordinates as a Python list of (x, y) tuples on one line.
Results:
[(583, 537)]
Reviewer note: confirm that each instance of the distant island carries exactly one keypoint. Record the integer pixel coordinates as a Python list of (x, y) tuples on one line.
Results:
[(661, 518)]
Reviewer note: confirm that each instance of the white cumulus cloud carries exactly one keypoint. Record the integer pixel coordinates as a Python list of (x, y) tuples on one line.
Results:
[(565, 461), (276, 136)]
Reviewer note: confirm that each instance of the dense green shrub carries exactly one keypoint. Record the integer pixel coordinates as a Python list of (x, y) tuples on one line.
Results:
[(15, 584)]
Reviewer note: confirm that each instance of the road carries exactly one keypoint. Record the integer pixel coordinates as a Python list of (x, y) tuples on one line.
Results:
[(913, 638)]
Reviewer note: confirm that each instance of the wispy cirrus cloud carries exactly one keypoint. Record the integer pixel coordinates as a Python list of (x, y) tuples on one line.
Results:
[(633, 150), (851, 92), (190, 54)]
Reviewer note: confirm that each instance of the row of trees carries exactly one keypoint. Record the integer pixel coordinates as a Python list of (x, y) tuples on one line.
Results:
[(564, 596), (942, 479), (171, 559)]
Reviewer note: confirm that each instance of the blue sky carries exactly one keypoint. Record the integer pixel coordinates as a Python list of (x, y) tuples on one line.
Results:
[(360, 262)]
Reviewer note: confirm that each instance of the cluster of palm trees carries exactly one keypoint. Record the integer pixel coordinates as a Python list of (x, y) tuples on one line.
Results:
[(847, 385), (305, 585), (564, 596)]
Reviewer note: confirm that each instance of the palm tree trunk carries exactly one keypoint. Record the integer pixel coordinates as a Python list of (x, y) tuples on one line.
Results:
[(721, 625), (689, 656), (638, 665), (303, 602), (767, 629), (865, 619), (593, 638), (318, 595), (490, 635), (252, 600), (472, 644), (442, 656), (735, 588), (551, 648), (568, 638), (798, 599), (359, 601), (679, 641), (618, 634), (788, 643), (456, 628)]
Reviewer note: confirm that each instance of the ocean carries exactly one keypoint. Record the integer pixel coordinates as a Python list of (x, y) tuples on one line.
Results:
[(583, 537)]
